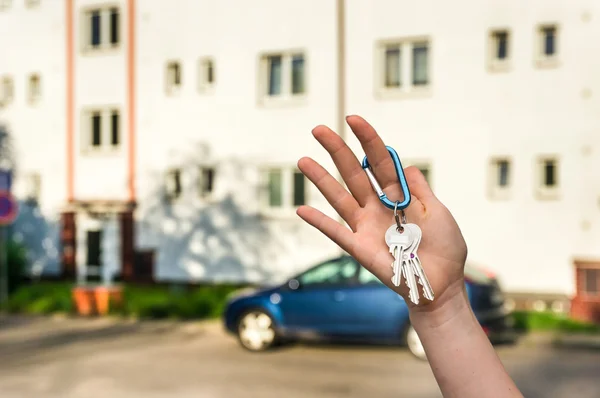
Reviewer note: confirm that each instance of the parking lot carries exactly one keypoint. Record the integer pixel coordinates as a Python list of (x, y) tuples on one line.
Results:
[(100, 358)]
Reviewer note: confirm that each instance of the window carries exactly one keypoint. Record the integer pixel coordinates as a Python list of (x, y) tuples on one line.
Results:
[(548, 177), (499, 178), (96, 129), (275, 188), (103, 129), (5, 4), (102, 28), (34, 92), (285, 188), (7, 90), (206, 181), (425, 170), (499, 46), (173, 77), (114, 128), (405, 65), (173, 184), (591, 281), (341, 271), (32, 188), (367, 278), (547, 49), (284, 76), (32, 3), (206, 74)]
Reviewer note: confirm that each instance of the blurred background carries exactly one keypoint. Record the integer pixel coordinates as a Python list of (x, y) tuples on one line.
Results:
[(148, 188)]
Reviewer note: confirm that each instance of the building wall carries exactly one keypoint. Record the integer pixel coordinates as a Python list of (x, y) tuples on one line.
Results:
[(469, 115)]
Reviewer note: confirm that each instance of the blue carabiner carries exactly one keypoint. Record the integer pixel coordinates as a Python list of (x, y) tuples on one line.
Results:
[(403, 184)]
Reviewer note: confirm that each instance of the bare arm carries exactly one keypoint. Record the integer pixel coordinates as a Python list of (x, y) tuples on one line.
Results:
[(462, 359)]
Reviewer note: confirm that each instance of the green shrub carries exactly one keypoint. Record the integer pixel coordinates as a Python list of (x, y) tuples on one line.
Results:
[(41, 298), (547, 321), (16, 256)]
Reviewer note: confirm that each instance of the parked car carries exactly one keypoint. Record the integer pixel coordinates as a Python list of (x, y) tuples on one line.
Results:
[(339, 299)]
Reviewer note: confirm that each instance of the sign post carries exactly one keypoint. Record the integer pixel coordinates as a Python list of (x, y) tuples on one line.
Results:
[(8, 213)]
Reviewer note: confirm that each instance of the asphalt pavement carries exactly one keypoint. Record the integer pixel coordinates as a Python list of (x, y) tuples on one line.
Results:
[(67, 358)]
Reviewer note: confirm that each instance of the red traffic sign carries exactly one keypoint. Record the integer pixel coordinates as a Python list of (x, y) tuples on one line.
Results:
[(8, 208)]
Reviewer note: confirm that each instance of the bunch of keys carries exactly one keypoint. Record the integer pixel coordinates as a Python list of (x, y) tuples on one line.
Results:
[(402, 238)]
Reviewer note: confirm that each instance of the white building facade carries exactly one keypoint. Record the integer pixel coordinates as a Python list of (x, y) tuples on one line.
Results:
[(159, 139)]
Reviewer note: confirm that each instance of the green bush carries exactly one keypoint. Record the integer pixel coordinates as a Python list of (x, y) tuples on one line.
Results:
[(41, 298), (16, 256), (150, 302), (547, 321)]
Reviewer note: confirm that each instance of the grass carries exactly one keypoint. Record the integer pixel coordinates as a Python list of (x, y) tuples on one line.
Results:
[(149, 302), (547, 321)]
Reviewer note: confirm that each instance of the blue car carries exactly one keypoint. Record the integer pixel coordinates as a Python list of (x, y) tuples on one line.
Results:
[(339, 299)]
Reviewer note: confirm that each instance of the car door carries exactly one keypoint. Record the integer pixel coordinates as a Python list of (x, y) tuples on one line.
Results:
[(318, 302), (377, 311)]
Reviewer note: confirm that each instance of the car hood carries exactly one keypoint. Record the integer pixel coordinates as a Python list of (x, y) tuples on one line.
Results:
[(262, 290)]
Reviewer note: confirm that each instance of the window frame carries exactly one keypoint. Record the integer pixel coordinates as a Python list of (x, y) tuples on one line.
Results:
[(105, 44), (286, 97), (494, 63), (584, 280), (542, 190), (206, 197), (205, 86), (32, 98), (407, 87), (541, 60), (287, 190), (106, 146), (495, 190), (170, 173), (7, 91), (172, 88)]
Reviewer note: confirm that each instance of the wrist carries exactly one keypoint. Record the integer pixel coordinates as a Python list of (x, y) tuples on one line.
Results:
[(452, 305)]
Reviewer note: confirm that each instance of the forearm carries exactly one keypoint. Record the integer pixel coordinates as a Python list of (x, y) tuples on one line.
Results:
[(461, 356)]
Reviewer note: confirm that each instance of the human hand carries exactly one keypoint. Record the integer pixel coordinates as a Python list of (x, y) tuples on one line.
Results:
[(442, 250)]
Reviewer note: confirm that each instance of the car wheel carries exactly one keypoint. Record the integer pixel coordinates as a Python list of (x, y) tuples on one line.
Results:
[(414, 343), (256, 331)]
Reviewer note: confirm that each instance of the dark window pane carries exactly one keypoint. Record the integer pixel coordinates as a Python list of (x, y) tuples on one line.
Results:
[(341, 271), (549, 173), (114, 25), (115, 136), (392, 67), (96, 129), (549, 41), (95, 28), (501, 45), (207, 176), (299, 189), (298, 74), (591, 281), (94, 248), (210, 73), (420, 64), (275, 188), (275, 75), (503, 173), (425, 171), (176, 74), (174, 183)]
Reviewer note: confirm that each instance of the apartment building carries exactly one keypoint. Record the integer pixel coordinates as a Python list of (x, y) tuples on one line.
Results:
[(159, 139)]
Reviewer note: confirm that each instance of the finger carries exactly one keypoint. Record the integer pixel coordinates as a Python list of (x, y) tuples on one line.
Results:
[(346, 162), (341, 235), (419, 187), (337, 196), (378, 155)]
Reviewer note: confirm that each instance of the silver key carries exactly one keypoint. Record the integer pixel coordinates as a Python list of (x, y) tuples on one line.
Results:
[(415, 262), (398, 242)]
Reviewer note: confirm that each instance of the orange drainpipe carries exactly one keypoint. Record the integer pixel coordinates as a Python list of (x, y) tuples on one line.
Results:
[(70, 93), (131, 97)]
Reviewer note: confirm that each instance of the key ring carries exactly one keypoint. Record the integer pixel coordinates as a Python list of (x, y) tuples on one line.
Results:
[(401, 178), (399, 222)]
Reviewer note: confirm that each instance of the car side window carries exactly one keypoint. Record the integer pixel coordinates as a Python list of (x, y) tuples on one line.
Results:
[(367, 278), (336, 272)]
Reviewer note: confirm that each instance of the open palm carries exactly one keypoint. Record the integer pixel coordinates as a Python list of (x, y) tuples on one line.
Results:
[(442, 250)]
